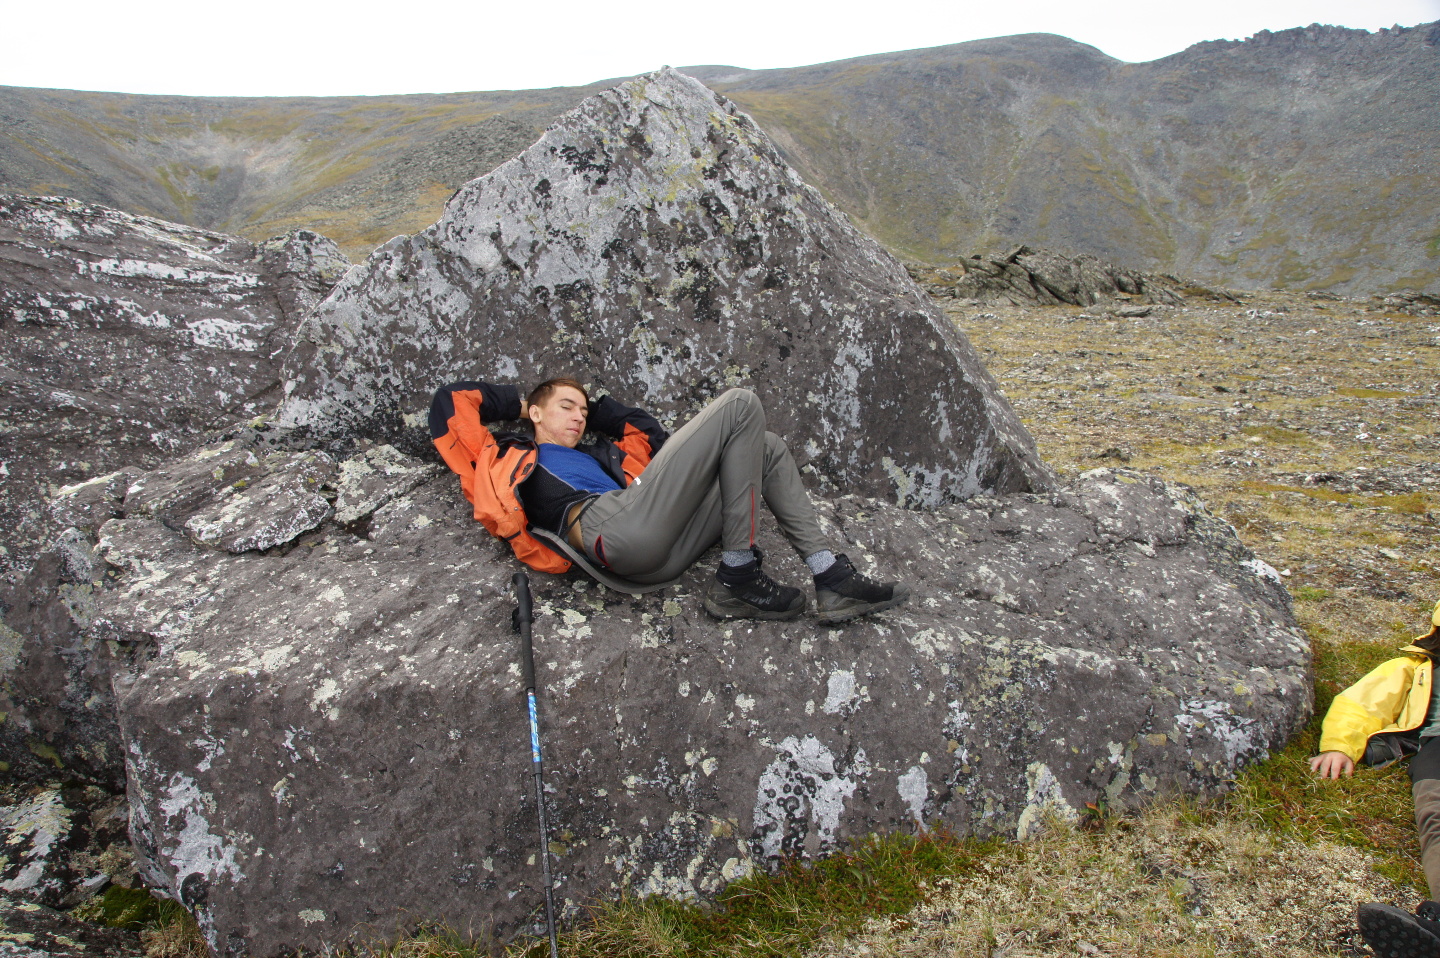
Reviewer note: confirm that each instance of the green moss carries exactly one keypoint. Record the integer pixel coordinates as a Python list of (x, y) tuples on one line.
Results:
[(124, 908), (45, 752)]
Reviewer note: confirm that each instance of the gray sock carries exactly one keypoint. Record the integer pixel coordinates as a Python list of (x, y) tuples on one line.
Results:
[(736, 557), (820, 561)]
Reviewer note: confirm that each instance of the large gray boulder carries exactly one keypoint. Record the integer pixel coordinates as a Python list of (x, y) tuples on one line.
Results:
[(326, 736), (654, 243), (126, 341)]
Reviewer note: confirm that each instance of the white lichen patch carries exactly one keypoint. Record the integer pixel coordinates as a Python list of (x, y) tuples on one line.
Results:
[(1238, 736), (914, 789), (191, 847), (218, 333), (324, 693), (1263, 570), (803, 788), (843, 693), (276, 658), (196, 662), (32, 830), (1043, 798)]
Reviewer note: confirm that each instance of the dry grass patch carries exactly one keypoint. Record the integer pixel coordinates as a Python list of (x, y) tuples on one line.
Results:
[(1168, 883), (173, 935)]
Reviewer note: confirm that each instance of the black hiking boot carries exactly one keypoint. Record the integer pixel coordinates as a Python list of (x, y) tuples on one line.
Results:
[(1393, 933), (744, 592), (842, 593)]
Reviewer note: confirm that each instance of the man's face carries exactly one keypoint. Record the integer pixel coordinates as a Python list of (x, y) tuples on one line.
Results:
[(560, 418)]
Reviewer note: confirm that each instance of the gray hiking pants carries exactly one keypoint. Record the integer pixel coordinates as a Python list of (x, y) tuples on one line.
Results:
[(1425, 790), (704, 484)]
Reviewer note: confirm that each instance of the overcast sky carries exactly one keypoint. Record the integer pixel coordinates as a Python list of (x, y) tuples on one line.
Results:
[(323, 48)]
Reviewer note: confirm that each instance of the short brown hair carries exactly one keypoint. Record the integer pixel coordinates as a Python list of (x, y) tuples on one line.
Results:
[(542, 392)]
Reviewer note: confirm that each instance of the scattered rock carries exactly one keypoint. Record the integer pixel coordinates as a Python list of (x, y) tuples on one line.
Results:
[(28, 930), (1033, 277), (63, 845)]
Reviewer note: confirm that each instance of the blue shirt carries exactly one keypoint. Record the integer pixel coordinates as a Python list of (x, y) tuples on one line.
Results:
[(575, 468)]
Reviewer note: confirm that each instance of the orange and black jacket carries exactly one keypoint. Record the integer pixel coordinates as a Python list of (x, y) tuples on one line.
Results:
[(491, 465)]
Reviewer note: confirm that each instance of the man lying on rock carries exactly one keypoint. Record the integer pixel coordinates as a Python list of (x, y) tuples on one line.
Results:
[(1390, 713), (641, 503)]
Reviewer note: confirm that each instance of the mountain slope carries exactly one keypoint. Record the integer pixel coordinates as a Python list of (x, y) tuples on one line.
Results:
[(1296, 159), (1301, 158), (360, 169)]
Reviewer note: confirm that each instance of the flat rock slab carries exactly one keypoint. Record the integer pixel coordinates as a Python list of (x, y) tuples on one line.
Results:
[(328, 737), (655, 244)]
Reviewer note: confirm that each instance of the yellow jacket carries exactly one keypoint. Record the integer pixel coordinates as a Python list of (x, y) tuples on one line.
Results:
[(1393, 697)]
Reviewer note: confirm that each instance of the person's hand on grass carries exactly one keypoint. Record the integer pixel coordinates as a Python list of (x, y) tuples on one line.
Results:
[(1332, 765)]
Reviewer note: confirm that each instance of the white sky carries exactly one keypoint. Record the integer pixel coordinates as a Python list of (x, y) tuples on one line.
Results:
[(325, 48)]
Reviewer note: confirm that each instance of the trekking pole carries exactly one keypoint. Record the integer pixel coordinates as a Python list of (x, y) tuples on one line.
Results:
[(523, 618)]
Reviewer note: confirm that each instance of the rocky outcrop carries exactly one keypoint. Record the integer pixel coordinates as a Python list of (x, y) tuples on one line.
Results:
[(654, 244), (55, 687), (329, 732), (1031, 277), (125, 341)]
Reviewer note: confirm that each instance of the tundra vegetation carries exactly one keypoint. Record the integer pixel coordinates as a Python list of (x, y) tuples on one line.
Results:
[(1310, 423)]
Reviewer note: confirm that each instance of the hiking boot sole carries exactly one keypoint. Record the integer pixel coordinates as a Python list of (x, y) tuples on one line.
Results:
[(735, 609), (1392, 933), (844, 613)]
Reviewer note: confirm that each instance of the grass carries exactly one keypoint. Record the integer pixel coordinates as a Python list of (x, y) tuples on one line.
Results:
[(1414, 503), (166, 929), (783, 914), (1359, 393)]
